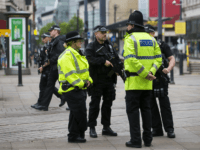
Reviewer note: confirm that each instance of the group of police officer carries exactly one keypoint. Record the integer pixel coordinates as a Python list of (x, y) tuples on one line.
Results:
[(92, 73)]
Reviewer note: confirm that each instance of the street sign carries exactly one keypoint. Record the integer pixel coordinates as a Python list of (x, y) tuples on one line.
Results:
[(88, 35), (167, 25), (5, 32), (180, 27), (113, 38)]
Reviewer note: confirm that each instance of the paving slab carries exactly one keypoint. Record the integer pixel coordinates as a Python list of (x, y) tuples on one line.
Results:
[(22, 127)]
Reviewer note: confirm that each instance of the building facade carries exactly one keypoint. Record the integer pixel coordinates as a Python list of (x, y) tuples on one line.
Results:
[(190, 13)]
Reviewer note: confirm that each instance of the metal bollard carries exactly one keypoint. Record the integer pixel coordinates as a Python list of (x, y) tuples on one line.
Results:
[(181, 63), (172, 77), (20, 73)]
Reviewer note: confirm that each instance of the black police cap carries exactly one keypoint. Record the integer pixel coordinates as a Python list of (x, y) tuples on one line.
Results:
[(100, 28), (73, 35), (149, 28), (47, 34), (54, 27)]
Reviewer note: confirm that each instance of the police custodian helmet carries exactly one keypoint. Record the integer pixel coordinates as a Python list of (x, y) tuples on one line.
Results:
[(136, 18), (73, 35)]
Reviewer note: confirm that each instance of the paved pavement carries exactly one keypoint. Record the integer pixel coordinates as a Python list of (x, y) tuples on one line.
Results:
[(24, 128)]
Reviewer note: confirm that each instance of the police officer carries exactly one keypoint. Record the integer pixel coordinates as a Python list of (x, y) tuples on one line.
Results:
[(160, 86), (103, 83), (56, 49), (142, 57), (44, 70), (74, 79)]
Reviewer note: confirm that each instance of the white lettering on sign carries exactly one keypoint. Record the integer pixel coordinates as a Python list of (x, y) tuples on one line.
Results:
[(17, 46), (17, 22)]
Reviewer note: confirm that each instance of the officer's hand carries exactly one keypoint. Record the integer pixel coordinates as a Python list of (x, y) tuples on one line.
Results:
[(150, 77), (166, 70), (88, 83), (41, 69), (46, 51), (107, 63)]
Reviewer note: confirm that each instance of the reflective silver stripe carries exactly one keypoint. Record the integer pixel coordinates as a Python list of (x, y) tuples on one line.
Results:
[(69, 73), (76, 81), (141, 69), (59, 70), (135, 45), (63, 53), (77, 66), (76, 62), (82, 71), (64, 81), (154, 65), (154, 42)]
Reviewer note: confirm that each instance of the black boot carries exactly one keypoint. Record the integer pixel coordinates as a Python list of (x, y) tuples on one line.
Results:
[(108, 131), (67, 108), (171, 134), (130, 144), (77, 140), (40, 107), (62, 102), (35, 105), (93, 133)]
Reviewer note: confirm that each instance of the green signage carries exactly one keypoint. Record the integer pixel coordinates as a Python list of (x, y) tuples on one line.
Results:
[(17, 41), (17, 54), (17, 29)]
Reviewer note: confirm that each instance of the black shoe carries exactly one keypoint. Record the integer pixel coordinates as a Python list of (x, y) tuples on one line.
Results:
[(108, 131), (130, 144), (93, 133), (147, 144), (67, 108), (171, 134), (157, 133), (62, 102), (33, 106), (77, 140), (39, 107)]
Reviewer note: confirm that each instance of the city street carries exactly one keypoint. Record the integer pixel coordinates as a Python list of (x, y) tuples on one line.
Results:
[(24, 128)]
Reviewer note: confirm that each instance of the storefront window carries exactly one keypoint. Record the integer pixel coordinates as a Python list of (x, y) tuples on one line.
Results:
[(194, 26)]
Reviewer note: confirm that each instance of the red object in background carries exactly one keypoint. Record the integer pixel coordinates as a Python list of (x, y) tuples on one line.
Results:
[(2, 24), (169, 10)]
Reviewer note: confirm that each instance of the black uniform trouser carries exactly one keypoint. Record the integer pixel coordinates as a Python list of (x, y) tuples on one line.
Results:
[(108, 92), (42, 86), (76, 101), (166, 112), (135, 100), (49, 90)]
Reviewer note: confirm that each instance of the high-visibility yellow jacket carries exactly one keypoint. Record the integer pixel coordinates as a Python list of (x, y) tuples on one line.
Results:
[(142, 55), (74, 69)]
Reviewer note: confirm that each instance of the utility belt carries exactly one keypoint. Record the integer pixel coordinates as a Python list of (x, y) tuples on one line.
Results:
[(130, 74), (67, 85)]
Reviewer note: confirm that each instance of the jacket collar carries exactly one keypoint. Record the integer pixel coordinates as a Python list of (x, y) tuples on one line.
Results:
[(136, 29)]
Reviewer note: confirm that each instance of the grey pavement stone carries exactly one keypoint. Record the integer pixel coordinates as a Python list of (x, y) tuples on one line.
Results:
[(20, 124)]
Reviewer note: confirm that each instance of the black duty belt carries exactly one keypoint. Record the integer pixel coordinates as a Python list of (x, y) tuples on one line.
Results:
[(131, 74)]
